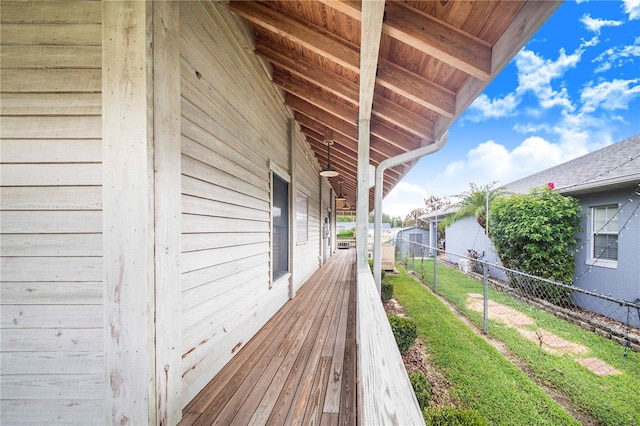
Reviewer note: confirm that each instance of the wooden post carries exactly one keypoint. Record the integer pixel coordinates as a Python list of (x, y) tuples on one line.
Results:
[(128, 228), (167, 163), (362, 205)]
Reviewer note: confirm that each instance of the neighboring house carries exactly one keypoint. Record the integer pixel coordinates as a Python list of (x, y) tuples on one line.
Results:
[(161, 197), (606, 183), (412, 241)]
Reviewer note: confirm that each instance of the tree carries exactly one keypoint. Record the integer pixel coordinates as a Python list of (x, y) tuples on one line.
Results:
[(474, 203), (434, 203), (535, 233), (410, 219)]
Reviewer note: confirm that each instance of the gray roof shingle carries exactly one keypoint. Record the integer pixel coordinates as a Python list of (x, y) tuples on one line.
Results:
[(614, 165)]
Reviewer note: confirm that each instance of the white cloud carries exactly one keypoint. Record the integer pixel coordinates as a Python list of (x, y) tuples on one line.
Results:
[(407, 188), (483, 107), (594, 24), (535, 75), (609, 95), (632, 8), (618, 56)]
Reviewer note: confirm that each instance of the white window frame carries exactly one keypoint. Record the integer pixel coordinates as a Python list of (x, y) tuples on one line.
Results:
[(284, 175), (594, 230)]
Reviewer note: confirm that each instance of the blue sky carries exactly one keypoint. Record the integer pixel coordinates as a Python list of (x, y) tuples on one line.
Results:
[(573, 88)]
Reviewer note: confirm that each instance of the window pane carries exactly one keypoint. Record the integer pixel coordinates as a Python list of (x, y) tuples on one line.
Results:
[(280, 227), (302, 216), (605, 219), (605, 246)]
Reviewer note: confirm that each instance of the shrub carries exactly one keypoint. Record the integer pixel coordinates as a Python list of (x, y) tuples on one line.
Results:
[(535, 233), (404, 330), (387, 291), (421, 388), (346, 234), (453, 416)]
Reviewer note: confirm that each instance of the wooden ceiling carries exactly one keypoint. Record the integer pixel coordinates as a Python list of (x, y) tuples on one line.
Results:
[(434, 59)]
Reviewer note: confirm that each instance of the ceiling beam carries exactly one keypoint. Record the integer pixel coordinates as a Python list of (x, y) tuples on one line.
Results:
[(314, 39), (304, 68), (313, 108), (415, 87), (429, 35), (376, 156), (391, 76), (438, 39)]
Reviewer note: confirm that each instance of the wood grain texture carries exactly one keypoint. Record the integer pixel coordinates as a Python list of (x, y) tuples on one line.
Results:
[(283, 373), (385, 393)]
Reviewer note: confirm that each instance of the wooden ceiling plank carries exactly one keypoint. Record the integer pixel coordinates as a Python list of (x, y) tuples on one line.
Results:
[(402, 117), (304, 68), (314, 39), (438, 39), (343, 142), (349, 8), (336, 123), (414, 87), (315, 97)]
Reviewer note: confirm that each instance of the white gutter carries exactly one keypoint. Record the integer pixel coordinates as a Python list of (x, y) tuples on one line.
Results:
[(377, 227)]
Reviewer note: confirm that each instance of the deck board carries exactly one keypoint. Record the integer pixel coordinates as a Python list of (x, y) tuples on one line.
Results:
[(299, 368)]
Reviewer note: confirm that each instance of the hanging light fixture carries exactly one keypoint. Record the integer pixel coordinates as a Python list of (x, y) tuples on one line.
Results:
[(329, 171)]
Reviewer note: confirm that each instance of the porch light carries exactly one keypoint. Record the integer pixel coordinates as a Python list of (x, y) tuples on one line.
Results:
[(329, 171)]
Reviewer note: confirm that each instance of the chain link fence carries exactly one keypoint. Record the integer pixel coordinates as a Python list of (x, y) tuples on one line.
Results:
[(504, 299)]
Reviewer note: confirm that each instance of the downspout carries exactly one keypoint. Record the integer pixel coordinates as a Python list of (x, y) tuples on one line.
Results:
[(384, 165)]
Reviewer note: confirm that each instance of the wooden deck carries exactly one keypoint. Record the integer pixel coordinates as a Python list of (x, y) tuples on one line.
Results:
[(300, 368)]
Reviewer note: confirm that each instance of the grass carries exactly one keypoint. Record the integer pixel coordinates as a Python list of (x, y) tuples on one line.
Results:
[(611, 400), (481, 378)]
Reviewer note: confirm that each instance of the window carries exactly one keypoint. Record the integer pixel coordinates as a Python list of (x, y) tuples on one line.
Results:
[(280, 227), (302, 217), (605, 232)]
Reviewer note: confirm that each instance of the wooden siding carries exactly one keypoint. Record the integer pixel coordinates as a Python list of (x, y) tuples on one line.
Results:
[(52, 362), (233, 125), (306, 179)]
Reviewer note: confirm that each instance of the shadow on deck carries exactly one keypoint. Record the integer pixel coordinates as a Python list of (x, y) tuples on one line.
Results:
[(300, 368)]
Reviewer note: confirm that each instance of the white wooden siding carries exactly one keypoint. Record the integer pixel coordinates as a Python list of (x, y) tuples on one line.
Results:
[(52, 362), (307, 254), (233, 124)]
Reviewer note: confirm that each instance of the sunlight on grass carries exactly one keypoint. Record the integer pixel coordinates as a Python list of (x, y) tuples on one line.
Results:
[(612, 400), (481, 378)]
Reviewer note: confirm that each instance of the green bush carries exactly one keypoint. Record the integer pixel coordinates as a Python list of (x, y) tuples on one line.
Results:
[(404, 330), (535, 233), (453, 416), (387, 291), (421, 387), (346, 234)]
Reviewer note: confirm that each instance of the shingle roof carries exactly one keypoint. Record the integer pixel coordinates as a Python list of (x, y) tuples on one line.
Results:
[(614, 165)]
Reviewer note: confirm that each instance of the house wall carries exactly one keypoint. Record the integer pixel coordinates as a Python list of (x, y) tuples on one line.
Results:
[(57, 293), (234, 126), (466, 234), (406, 248), (622, 281), (52, 362)]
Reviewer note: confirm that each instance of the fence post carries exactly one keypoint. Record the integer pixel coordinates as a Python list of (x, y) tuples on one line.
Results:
[(485, 291), (435, 272)]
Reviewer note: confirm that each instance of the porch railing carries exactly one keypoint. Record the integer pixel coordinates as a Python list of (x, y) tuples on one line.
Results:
[(385, 395)]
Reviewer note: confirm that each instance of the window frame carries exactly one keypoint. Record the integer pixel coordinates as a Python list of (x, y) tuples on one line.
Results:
[(281, 174), (596, 231)]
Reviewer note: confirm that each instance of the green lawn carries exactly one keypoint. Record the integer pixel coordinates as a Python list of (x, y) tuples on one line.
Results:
[(612, 400), (481, 378)]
